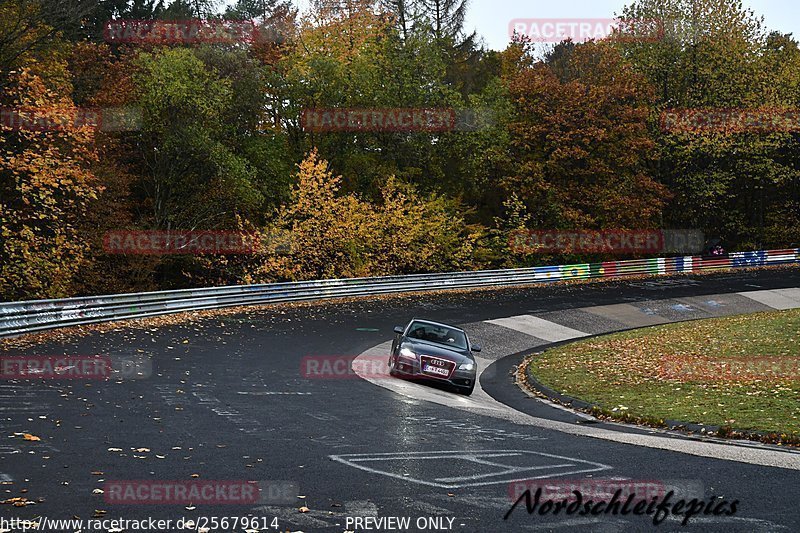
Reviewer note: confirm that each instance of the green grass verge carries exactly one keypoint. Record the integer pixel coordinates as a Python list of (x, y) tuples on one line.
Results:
[(740, 372)]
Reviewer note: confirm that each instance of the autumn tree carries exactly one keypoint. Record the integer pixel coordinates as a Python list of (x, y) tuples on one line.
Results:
[(334, 235), (23, 32), (354, 58), (45, 189), (580, 143)]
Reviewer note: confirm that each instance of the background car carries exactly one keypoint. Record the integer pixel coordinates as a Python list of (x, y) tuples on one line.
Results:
[(424, 349)]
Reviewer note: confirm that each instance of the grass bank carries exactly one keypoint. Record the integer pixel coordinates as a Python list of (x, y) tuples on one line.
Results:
[(741, 373)]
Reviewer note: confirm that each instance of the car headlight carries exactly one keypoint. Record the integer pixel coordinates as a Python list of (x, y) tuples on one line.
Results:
[(466, 366), (408, 354)]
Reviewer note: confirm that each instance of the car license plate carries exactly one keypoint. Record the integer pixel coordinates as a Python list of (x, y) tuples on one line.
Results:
[(440, 368), (436, 370)]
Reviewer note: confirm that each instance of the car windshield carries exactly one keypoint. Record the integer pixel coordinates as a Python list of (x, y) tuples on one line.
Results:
[(450, 337)]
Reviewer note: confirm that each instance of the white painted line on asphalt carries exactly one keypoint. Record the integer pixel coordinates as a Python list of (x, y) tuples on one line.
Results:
[(476, 477), (504, 473), (245, 423), (538, 327), (8, 450), (780, 299)]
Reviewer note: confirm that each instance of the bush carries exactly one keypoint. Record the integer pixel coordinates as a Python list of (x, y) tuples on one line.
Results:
[(332, 235)]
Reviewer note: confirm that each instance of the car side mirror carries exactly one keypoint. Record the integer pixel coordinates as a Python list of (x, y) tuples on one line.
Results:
[(475, 347), (399, 330)]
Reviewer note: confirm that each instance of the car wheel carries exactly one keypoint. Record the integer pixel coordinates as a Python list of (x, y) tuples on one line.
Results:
[(467, 392), (392, 371)]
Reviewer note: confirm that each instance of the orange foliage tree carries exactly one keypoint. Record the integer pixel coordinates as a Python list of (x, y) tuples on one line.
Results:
[(581, 151), (46, 187)]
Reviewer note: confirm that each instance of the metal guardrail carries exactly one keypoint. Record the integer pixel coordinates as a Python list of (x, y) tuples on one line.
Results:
[(17, 318)]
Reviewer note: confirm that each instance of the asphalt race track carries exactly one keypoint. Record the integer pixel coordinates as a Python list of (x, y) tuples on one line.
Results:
[(229, 399)]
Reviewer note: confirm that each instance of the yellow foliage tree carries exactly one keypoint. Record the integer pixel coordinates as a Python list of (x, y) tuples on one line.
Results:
[(46, 187), (342, 236)]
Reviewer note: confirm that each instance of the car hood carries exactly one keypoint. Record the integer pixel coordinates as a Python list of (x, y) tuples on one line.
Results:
[(436, 350)]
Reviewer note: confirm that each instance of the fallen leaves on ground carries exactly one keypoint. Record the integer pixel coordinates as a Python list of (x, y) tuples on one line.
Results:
[(18, 501)]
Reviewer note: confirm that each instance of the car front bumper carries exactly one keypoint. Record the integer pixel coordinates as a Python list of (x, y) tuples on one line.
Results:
[(459, 378)]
